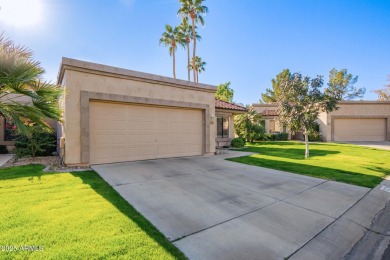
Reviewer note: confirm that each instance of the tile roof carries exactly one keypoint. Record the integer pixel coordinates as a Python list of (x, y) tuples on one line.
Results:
[(270, 112), (227, 105)]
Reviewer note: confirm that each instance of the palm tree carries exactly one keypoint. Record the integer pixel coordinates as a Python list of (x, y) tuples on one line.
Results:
[(193, 9), (187, 31), (21, 79), (171, 37), (199, 67)]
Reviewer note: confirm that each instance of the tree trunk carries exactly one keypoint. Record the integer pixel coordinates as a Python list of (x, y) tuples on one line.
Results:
[(307, 145), (173, 63), (194, 50), (188, 61)]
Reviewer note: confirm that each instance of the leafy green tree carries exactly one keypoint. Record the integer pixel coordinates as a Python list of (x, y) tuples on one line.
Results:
[(342, 85), (248, 125), (270, 95), (384, 94), (301, 100), (193, 9), (171, 37), (21, 79), (224, 92)]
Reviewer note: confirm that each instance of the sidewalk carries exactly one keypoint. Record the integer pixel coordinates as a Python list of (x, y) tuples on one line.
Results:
[(363, 232), (4, 158)]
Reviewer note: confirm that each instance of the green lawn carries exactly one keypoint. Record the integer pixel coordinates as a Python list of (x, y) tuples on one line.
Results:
[(73, 216), (339, 162)]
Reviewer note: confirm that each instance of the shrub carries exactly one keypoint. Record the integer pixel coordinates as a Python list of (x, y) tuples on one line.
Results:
[(238, 142), (315, 137), (273, 137), (3, 149), (281, 136), (40, 143)]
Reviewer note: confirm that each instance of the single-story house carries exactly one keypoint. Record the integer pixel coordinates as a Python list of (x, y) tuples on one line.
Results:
[(225, 112), (353, 121), (114, 115)]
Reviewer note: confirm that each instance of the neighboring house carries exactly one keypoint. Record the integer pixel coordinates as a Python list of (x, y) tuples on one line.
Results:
[(115, 115), (224, 113), (353, 121)]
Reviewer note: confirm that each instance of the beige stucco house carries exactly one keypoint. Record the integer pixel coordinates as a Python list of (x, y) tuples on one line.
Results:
[(114, 115), (353, 121), (225, 112)]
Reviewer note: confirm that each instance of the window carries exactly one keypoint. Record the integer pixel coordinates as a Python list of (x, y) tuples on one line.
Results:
[(223, 127), (9, 130)]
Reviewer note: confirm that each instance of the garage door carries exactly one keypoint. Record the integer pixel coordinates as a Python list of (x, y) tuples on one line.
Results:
[(123, 132), (359, 129)]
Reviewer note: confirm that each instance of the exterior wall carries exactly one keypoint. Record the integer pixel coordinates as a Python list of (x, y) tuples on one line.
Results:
[(359, 109), (347, 109), (220, 142), (323, 122), (104, 82)]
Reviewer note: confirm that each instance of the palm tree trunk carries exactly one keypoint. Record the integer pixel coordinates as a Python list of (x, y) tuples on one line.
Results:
[(173, 64), (194, 50), (188, 61)]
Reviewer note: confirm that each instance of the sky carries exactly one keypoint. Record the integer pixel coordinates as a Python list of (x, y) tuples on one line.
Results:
[(246, 42)]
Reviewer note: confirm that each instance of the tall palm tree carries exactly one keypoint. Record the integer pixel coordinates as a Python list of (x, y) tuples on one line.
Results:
[(193, 9), (21, 79), (199, 67), (187, 31), (171, 37)]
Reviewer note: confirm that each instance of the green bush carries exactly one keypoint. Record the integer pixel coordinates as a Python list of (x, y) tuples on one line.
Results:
[(40, 143), (238, 142), (315, 137), (3, 149), (273, 137)]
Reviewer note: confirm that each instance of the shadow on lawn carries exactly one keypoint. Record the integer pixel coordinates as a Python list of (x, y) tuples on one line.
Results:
[(291, 153), (91, 178), (354, 178)]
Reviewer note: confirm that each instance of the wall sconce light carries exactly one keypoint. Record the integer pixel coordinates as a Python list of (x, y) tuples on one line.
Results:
[(212, 117)]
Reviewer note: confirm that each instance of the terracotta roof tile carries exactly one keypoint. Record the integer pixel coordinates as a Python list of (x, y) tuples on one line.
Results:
[(270, 112), (227, 105)]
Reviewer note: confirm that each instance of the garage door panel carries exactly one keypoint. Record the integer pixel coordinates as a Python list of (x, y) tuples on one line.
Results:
[(360, 129), (143, 132)]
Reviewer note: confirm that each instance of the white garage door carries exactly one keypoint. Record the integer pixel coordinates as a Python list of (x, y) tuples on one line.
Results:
[(359, 129), (123, 132)]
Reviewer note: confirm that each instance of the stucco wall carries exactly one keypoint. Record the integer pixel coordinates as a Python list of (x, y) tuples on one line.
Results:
[(121, 83), (359, 109)]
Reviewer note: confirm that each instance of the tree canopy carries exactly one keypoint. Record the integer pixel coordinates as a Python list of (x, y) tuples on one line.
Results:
[(24, 97), (302, 99), (270, 95), (224, 92), (384, 93), (338, 80)]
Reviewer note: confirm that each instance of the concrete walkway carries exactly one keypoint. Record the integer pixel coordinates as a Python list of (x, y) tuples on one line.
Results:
[(211, 208), (5, 158)]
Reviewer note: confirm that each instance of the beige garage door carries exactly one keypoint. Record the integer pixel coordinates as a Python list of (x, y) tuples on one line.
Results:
[(123, 132), (367, 129)]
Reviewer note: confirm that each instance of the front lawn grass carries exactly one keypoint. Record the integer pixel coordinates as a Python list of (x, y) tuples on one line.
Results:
[(351, 164), (73, 216)]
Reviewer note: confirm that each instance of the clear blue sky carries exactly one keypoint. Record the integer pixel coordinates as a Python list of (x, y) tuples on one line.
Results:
[(246, 42)]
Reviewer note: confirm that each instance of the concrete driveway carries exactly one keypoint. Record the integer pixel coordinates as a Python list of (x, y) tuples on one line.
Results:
[(211, 208)]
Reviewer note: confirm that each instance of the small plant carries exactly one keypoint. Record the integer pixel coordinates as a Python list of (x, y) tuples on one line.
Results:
[(38, 143), (3, 149), (238, 142)]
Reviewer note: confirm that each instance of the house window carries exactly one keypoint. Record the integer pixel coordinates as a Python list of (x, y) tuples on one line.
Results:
[(223, 127), (9, 130)]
